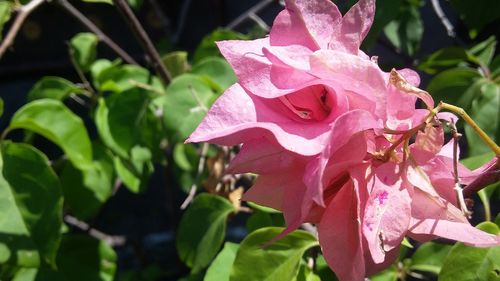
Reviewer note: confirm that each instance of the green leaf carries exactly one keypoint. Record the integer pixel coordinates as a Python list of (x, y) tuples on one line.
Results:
[(485, 112), (185, 156), (99, 1), (220, 268), (5, 11), (80, 258), (454, 85), (86, 190), (484, 51), (1, 107), (389, 274), (258, 220), (202, 230), (135, 172), (176, 63), (323, 270), (118, 135), (445, 58), (277, 261), (84, 49), (306, 274), (185, 104), (217, 72), (477, 14), (385, 12), (31, 207), (470, 263), (207, 46), (262, 208), (429, 257), (51, 119), (52, 87), (405, 33), (135, 4), (25, 274), (121, 78)]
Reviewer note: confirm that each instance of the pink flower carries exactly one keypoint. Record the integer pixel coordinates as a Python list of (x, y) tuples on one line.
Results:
[(326, 130)]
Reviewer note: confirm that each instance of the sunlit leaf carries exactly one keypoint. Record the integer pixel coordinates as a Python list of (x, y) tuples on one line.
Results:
[(278, 261), (216, 71), (220, 268), (51, 119), (84, 49), (471, 263)]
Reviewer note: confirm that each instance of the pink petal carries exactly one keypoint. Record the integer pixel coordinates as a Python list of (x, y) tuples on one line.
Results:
[(387, 213), (354, 74), (343, 129), (311, 23), (438, 218), (340, 235), (261, 156), (355, 26), (226, 124)]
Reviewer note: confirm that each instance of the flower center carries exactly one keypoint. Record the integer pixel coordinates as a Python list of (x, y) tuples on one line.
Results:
[(310, 103)]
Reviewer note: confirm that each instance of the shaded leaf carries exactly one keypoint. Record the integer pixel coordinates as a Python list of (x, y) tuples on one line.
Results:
[(385, 12), (454, 85), (86, 190), (119, 78), (445, 58), (31, 215), (52, 87), (477, 14), (185, 104), (54, 121), (176, 63), (405, 33), (202, 230), (485, 111), (429, 257), (5, 11), (207, 46), (470, 263), (484, 51), (278, 261)]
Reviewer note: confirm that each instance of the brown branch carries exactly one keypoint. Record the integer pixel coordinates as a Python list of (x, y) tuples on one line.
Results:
[(490, 176), (22, 13), (143, 39), (111, 240), (92, 27)]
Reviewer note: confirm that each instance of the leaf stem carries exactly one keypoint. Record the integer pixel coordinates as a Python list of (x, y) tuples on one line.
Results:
[(461, 112), (143, 39)]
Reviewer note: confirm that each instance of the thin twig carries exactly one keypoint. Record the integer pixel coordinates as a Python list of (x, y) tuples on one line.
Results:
[(143, 39), (181, 22), (248, 14), (22, 13), (201, 166), (81, 75), (111, 240), (99, 33), (444, 20), (458, 187)]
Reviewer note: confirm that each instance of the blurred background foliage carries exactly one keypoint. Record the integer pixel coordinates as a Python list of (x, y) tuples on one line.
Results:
[(97, 183)]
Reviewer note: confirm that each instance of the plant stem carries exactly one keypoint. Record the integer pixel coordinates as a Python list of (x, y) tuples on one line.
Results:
[(23, 13), (143, 39), (461, 112), (92, 27)]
